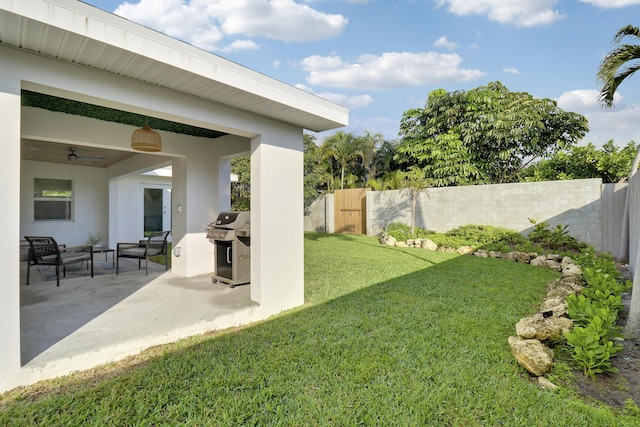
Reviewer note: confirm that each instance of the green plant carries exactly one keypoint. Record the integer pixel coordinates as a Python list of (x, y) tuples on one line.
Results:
[(598, 279), (556, 239), (592, 351), (402, 232), (582, 310), (486, 234), (94, 238)]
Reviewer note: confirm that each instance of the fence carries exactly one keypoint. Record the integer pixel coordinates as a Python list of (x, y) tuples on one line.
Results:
[(592, 211)]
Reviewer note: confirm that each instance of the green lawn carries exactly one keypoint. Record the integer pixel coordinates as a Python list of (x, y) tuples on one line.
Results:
[(389, 336)]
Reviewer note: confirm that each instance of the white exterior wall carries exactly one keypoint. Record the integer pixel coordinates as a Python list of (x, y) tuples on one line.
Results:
[(128, 195), (90, 202)]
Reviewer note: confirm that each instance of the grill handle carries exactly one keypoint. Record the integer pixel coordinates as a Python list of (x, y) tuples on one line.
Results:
[(229, 255)]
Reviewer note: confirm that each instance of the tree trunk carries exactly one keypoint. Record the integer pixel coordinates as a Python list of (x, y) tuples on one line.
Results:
[(632, 328), (413, 214)]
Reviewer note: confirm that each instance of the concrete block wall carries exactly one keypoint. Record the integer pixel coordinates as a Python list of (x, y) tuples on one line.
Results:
[(592, 211)]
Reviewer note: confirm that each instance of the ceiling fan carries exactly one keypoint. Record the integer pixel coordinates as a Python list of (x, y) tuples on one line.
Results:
[(72, 157)]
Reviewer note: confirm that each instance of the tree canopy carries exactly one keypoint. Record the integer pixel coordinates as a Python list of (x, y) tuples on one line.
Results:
[(609, 163), (484, 135)]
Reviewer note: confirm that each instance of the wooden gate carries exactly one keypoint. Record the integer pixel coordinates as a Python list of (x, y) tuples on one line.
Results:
[(350, 211)]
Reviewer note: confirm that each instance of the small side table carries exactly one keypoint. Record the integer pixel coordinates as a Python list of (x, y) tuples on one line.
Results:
[(106, 254)]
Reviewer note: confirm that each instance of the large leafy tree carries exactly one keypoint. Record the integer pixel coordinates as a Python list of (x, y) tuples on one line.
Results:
[(609, 162), (484, 135), (241, 189), (615, 68)]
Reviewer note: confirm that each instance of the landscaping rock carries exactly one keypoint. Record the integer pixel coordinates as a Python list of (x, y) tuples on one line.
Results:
[(546, 384), (511, 256), (569, 268), (496, 254), (539, 261), (401, 245), (554, 257), (386, 239), (428, 245), (465, 250), (532, 355), (563, 287), (556, 304), (552, 265), (481, 253), (541, 328)]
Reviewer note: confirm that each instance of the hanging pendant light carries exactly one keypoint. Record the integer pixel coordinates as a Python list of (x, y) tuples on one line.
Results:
[(146, 139)]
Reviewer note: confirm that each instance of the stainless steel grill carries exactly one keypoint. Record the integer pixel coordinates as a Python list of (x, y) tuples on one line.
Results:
[(230, 234)]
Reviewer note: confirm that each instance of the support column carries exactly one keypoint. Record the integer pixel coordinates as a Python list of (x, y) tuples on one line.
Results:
[(277, 219), (9, 234)]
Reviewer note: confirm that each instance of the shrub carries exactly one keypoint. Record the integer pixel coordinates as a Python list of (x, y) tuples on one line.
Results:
[(594, 312), (486, 234), (402, 232), (555, 239), (592, 350)]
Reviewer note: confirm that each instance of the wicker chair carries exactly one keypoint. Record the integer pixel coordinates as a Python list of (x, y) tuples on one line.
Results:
[(44, 250), (155, 244)]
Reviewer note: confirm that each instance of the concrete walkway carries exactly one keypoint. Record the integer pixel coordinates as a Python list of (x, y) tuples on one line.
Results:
[(90, 321)]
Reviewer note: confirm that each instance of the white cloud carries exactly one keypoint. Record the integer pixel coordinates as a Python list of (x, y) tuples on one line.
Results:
[(443, 42), (583, 100), (240, 45), (611, 3), (351, 102), (205, 23), (170, 16), (511, 70), (389, 70), (521, 13), (619, 124)]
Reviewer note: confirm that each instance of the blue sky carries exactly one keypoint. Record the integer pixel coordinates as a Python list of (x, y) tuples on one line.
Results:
[(380, 58)]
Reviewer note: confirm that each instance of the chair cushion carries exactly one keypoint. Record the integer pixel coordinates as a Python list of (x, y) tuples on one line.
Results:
[(66, 257), (139, 252)]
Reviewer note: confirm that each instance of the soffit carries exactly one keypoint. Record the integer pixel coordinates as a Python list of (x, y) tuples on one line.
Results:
[(75, 32)]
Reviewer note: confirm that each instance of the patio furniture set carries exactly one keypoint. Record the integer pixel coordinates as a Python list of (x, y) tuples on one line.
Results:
[(44, 250)]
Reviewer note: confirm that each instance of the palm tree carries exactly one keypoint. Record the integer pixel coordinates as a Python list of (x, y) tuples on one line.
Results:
[(344, 149), (619, 64)]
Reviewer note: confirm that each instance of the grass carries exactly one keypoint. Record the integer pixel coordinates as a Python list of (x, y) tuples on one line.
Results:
[(389, 336)]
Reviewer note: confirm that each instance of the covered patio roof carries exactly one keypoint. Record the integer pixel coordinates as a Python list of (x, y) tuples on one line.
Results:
[(75, 32)]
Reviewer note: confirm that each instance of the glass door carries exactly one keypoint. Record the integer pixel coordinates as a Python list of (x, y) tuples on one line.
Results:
[(156, 209)]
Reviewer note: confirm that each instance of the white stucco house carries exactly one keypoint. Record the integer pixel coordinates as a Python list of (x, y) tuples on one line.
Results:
[(68, 50)]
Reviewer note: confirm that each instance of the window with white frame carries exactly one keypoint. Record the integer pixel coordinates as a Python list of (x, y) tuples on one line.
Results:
[(52, 199)]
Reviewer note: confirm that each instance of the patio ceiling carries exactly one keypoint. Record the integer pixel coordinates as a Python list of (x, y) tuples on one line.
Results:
[(72, 31), (53, 152)]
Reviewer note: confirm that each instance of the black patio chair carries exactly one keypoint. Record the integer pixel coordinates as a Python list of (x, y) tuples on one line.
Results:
[(44, 250), (155, 244)]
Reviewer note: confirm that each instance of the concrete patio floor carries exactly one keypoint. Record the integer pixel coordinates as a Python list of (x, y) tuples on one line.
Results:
[(90, 321)]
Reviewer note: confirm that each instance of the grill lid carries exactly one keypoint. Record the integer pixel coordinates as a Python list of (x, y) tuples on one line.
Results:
[(227, 218), (232, 220)]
